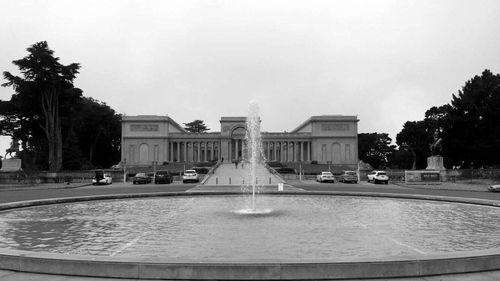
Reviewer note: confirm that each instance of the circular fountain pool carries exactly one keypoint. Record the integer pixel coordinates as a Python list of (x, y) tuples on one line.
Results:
[(290, 229)]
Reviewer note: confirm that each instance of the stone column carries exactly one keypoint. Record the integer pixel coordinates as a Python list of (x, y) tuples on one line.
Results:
[(183, 145), (236, 148), (171, 154), (178, 151), (268, 156), (294, 151), (198, 157), (280, 152), (205, 151), (224, 148), (301, 151), (193, 155), (212, 150), (274, 151), (281, 156), (309, 151), (285, 151)]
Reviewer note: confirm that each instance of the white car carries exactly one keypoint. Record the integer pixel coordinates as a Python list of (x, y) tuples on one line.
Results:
[(325, 177), (102, 178), (190, 176), (378, 176), (494, 188)]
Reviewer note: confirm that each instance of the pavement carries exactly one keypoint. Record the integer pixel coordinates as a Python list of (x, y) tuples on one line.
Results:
[(468, 185), (7, 275), (23, 186)]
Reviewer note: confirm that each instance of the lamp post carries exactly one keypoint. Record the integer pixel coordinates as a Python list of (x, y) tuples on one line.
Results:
[(300, 171), (124, 166), (359, 177), (155, 163), (471, 171)]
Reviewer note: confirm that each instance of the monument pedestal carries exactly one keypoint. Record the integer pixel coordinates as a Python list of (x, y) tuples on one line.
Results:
[(11, 165), (435, 172), (435, 163)]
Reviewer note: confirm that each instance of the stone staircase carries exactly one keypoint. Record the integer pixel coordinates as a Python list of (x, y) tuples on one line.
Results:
[(229, 174)]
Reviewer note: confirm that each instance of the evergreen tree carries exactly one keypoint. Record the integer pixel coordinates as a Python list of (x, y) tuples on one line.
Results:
[(197, 126)]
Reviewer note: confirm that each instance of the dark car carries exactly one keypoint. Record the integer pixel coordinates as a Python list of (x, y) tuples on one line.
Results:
[(141, 178), (201, 170), (164, 177), (349, 176), (286, 170)]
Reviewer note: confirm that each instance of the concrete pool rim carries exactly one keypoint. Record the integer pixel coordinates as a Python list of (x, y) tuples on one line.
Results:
[(126, 267)]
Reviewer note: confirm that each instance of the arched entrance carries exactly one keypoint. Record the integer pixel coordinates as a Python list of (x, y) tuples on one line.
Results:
[(238, 147)]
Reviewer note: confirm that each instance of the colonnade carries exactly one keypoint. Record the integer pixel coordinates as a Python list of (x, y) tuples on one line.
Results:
[(199, 151), (281, 151), (287, 151), (193, 151)]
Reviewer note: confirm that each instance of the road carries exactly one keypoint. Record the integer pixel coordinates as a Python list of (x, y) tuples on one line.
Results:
[(23, 194)]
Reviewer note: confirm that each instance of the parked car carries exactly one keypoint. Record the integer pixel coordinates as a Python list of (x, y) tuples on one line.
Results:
[(494, 188), (141, 178), (102, 178), (325, 177), (286, 170), (190, 176), (378, 176), (201, 170), (164, 176), (349, 176)]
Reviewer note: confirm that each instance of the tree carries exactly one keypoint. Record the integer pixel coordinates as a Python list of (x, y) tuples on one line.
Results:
[(415, 138), (473, 133), (45, 88), (98, 130), (469, 126), (375, 149), (197, 126)]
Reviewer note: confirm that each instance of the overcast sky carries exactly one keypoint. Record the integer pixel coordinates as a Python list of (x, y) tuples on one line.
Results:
[(385, 61)]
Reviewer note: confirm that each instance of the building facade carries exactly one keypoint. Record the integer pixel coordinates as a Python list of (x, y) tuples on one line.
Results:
[(325, 139)]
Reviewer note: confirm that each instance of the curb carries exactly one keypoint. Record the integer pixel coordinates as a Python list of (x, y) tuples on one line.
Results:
[(433, 187), (41, 187)]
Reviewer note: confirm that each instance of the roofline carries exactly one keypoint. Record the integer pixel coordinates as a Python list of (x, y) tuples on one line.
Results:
[(154, 118), (330, 118)]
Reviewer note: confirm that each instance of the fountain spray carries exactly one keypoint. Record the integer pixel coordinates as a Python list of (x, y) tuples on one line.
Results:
[(254, 143)]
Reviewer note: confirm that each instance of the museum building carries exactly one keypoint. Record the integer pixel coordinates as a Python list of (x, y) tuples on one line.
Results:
[(326, 139)]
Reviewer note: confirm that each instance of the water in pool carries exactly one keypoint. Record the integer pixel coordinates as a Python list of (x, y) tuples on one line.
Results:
[(289, 229)]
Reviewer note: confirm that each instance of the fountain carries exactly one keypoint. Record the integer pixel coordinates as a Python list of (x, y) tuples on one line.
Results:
[(289, 235), (254, 155)]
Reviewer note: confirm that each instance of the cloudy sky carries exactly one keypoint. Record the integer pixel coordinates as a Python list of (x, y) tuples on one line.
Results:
[(385, 61)]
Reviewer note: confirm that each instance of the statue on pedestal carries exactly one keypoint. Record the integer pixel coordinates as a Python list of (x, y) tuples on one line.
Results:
[(12, 164), (436, 146), (435, 161), (14, 148)]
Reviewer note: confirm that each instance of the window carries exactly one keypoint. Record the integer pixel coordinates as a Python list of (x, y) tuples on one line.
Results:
[(348, 156), (131, 153), (143, 153)]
